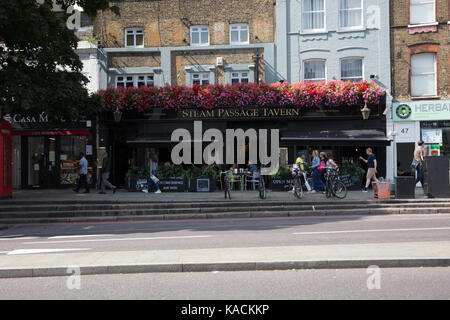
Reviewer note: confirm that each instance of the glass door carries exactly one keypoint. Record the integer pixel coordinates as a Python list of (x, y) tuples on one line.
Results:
[(51, 176), (36, 157)]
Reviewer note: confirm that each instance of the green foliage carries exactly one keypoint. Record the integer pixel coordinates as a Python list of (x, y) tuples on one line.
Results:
[(170, 171), (283, 173), (138, 171), (352, 169), (39, 67)]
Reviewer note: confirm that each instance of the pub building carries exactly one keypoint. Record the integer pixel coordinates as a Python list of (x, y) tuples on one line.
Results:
[(132, 136), (45, 154)]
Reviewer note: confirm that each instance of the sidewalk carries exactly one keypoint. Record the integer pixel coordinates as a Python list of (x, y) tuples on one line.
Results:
[(388, 255), (125, 196)]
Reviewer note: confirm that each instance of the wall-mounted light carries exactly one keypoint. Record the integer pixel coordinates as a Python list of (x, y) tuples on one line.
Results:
[(117, 115), (365, 112)]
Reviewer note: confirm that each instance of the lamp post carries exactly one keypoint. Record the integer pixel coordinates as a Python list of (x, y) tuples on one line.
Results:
[(117, 115), (365, 112)]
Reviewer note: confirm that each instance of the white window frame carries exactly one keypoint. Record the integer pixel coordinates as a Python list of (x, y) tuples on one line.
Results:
[(324, 19), (424, 2), (240, 27), (240, 76), (434, 94), (199, 36), (135, 79), (351, 58), (134, 32), (316, 79), (361, 26), (201, 77)]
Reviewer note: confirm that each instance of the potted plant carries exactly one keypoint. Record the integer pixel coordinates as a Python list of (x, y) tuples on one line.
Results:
[(282, 180), (352, 175), (171, 178), (137, 178)]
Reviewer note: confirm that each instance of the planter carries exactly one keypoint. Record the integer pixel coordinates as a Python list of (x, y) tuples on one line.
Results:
[(281, 183), (136, 183), (172, 184), (352, 182)]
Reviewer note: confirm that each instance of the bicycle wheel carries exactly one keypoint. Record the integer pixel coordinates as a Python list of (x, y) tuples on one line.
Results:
[(227, 187), (262, 189), (298, 190), (339, 189)]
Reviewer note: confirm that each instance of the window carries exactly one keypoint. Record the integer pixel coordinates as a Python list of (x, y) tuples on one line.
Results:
[(199, 36), (314, 70), (350, 14), (239, 34), (422, 11), (352, 69), (423, 75), (239, 77), (134, 38), (313, 15), (200, 78), (134, 81)]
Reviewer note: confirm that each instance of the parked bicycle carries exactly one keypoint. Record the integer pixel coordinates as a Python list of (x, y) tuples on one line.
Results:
[(334, 186), (298, 188), (228, 176)]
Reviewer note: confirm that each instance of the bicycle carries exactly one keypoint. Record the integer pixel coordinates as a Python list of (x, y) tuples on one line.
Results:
[(334, 186), (227, 184), (298, 189), (262, 188)]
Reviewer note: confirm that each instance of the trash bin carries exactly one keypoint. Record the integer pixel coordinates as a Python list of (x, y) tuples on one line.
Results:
[(381, 190), (404, 187)]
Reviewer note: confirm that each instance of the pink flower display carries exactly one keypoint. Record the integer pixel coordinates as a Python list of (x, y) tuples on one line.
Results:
[(301, 95)]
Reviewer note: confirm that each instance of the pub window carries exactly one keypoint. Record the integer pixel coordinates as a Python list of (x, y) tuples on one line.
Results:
[(134, 38), (134, 81), (422, 11), (350, 14), (423, 75), (239, 77), (200, 36), (200, 78), (314, 70), (145, 81), (239, 34), (313, 15), (352, 69)]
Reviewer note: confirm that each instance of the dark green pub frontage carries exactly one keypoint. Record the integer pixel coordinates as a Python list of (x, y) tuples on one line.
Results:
[(131, 136)]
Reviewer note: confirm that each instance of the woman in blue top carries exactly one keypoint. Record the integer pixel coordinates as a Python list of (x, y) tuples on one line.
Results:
[(317, 182)]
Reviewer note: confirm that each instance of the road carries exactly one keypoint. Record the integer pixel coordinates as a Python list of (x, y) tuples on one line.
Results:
[(224, 233), (398, 283)]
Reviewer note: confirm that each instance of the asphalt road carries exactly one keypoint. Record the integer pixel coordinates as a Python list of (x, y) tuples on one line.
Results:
[(225, 233), (411, 283)]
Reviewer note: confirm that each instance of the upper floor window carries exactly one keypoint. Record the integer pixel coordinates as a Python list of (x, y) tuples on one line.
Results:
[(239, 77), (314, 70), (422, 11), (350, 14), (313, 15), (199, 36), (352, 69), (239, 34), (134, 37), (134, 81), (423, 75), (201, 78)]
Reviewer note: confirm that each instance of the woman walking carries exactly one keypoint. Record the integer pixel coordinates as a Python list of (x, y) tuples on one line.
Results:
[(317, 182)]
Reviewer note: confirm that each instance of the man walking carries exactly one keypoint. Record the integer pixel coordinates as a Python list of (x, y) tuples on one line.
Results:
[(371, 167), (418, 159), (106, 168), (83, 174)]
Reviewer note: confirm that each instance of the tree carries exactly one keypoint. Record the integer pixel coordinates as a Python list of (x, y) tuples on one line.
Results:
[(38, 65)]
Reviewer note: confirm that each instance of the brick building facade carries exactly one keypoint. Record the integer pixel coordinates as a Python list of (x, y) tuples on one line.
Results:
[(420, 66), (182, 42)]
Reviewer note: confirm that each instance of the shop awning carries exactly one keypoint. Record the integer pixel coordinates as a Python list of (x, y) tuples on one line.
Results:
[(371, 137)]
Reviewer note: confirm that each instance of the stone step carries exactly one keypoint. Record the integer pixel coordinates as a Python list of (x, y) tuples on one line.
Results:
[(232, 214)]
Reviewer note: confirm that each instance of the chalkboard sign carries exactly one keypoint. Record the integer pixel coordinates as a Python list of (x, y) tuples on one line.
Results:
[(281, 184), (351, 182), (172, 184)]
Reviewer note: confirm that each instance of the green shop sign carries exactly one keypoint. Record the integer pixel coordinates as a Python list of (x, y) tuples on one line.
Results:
[(421, 110)]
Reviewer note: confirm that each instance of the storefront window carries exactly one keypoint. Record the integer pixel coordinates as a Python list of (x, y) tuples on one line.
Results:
[(71, 147), (436, 135)]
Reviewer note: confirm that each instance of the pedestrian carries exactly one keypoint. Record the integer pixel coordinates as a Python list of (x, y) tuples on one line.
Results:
[(153, 166), (82, 180), (300, 161), (323, 167), (417, 163), (330, 162), (371, 168), (106, 169), (317, 182)]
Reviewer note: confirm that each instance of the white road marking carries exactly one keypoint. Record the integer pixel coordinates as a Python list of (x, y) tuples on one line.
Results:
[(119, 239), (21, 238), (375, 230), (4, 251), (81, 236), (32, 251)]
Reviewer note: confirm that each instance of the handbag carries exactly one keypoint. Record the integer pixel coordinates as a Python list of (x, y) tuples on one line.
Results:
[(154, 178), (415, 163), (322, 166)]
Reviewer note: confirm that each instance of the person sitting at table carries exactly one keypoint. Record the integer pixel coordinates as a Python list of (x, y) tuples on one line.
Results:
[(252, 173)]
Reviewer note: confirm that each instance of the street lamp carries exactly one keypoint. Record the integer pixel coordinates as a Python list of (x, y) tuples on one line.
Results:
[(365, 112), (117, 115)]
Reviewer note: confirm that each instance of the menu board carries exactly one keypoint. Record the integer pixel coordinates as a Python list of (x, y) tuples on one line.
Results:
[(433, 136)]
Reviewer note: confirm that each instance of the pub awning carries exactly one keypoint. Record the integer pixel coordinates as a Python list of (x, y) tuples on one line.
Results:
[(370, 137)]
